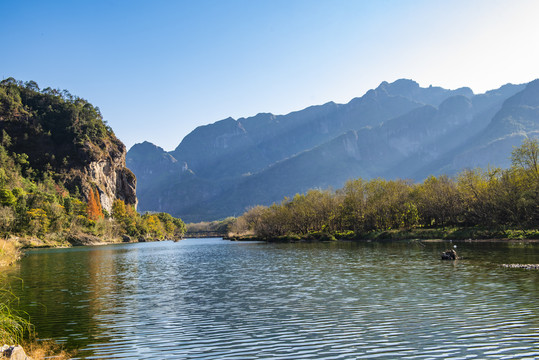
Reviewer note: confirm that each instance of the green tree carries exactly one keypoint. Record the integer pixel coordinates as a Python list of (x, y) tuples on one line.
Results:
[(119, 211), (438, 201), (39, 221), (7, 198), (526, 157)]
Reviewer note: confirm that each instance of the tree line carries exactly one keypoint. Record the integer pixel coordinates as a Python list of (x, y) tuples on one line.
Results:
[(490, 198)]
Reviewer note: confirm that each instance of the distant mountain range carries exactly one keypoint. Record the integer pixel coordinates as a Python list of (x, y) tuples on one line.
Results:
[(398, 130)]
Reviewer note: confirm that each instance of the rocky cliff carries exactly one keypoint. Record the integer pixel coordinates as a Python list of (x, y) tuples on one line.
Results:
[(108, 174), (62, 137)]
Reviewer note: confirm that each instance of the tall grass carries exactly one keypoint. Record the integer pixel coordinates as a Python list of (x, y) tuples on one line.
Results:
[(14, 326), (9, 252)]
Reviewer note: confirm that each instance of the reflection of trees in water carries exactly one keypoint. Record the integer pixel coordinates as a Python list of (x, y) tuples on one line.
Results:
[(65, 291)]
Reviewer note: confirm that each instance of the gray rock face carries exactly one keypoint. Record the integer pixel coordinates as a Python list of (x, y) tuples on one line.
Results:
[(113, 181)]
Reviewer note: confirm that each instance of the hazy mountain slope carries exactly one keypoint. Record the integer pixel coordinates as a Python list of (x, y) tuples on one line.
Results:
[(256, 142), (517, 118), (331, 164), (366, 153), (396, 130)]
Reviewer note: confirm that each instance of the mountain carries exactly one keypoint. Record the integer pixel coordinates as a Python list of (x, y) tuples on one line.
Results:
[(398, 129), (63, 138)]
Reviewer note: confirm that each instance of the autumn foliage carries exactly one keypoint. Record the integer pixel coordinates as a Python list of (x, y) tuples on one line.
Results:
[(94, 208)]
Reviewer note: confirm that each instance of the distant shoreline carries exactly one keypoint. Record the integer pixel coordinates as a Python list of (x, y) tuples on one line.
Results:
[(418, 234)]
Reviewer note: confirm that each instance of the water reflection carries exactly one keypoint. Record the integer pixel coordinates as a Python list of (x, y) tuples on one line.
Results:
[(212, 299)]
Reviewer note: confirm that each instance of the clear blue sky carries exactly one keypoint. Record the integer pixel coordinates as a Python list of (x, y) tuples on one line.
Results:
[(157, 69)]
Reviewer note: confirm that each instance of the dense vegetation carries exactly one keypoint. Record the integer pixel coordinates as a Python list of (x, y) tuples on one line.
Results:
[(52, 127), (492, 199), (44, 136)]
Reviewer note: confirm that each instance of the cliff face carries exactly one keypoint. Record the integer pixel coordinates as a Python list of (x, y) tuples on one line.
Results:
[(111, 178), (64, 138)]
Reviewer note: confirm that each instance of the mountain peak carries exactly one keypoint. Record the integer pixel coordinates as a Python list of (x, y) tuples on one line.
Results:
[(398, 87)]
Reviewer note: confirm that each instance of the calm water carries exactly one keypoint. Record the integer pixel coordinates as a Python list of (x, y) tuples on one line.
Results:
[(214, 299)]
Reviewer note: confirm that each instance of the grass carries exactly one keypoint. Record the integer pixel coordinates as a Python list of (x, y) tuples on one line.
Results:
[(46, 349), (14, 325), (9, 252)]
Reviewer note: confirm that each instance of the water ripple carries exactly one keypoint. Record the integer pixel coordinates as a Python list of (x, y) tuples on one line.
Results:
[(212, 299)]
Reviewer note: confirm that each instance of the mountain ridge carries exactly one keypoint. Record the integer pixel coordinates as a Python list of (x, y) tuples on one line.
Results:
[(398, 129)]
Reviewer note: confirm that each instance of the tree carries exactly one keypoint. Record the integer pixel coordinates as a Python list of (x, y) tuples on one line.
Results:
[(352, 209), (526, 157), (6, 139), (180, 229), (119, 211), (7, 218), (7, 198), (438, 201), (94, 209), (525, 178), (39, 221)]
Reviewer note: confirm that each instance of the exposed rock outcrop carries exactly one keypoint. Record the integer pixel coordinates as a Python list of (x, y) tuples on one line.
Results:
[(112, 179), (13, 352)]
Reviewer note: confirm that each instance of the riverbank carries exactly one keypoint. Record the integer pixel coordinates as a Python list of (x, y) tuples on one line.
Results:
[(11, 247), (434, 234)]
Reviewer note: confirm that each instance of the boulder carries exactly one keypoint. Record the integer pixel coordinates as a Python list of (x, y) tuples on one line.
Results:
[(14, 352)]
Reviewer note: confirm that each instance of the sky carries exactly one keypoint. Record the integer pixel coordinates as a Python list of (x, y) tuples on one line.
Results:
[(158, 69)]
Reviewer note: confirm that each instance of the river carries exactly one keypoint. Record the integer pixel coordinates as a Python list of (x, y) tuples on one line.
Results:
[(216, 299)]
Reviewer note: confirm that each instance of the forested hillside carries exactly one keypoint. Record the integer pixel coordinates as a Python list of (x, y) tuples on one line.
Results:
[(398, 130), (62, 171)]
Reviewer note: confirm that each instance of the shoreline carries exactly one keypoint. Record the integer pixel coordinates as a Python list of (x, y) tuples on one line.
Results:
[(418, 234), (61, 241), (70, 241), (493, 240)]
